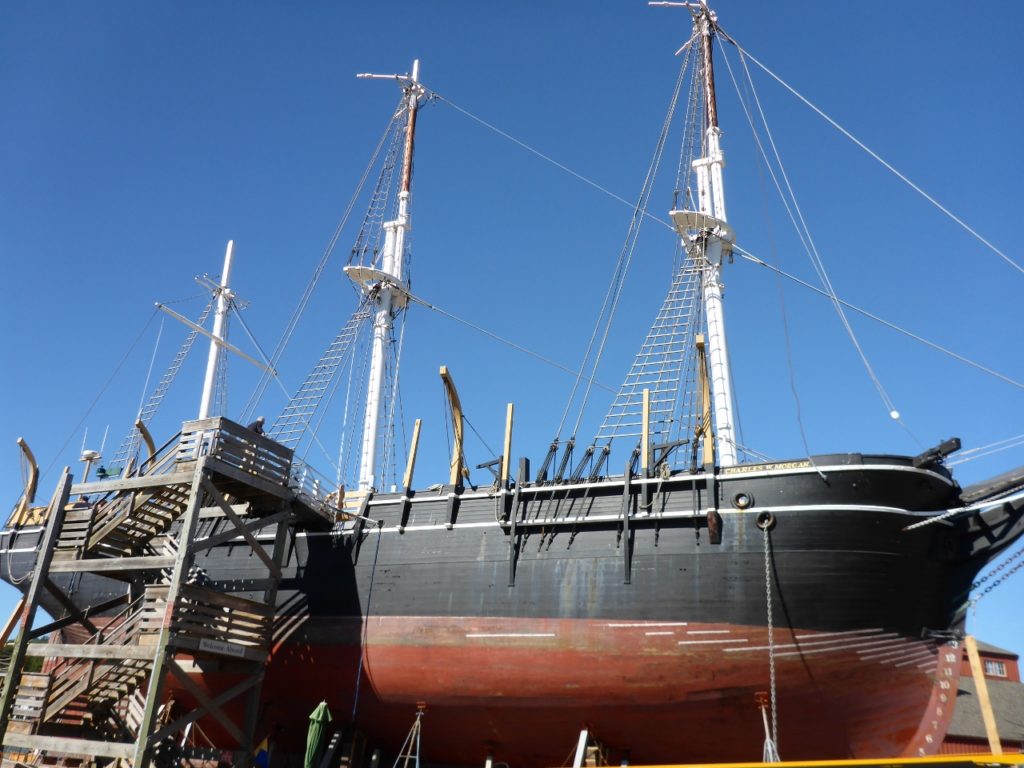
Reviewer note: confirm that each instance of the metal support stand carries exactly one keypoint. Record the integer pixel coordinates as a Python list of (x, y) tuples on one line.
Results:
[(410, 751)]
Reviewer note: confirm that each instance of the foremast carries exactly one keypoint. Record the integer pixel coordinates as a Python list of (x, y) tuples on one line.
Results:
[(707, 236), (387, 288), (219, 336)]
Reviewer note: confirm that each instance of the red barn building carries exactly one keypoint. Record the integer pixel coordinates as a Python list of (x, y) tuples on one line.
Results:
[(966, 734)]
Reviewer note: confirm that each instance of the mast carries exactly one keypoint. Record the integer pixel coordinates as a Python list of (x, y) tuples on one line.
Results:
[(388, 291), (711, 194), (707, 235), (224, 296)]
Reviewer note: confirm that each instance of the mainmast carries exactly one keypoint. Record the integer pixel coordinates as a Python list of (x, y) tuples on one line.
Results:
[(706, 234), (385, 286)]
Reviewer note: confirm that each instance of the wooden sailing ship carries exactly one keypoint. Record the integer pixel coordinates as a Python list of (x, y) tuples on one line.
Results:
[(652, 598)]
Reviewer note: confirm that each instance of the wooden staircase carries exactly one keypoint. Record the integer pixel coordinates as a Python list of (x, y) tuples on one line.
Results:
[(108, 673)]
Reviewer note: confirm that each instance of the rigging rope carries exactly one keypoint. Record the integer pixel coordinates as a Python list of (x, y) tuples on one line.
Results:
[(149, 371), (807, 239), (987, 450), (872, 153), (342, 453), (390, 458), (625, 259), (366, 620), (541, 155), (496, 337), (272, 374), (95, 400), (300, 308), (667, 225), (892, 326)]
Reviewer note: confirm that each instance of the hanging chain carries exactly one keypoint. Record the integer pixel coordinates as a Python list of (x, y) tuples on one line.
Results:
[(997, 570), (771, 749)]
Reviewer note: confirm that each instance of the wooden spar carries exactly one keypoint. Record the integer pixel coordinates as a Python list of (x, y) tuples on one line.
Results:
[(645, 439), (704, 428), (457, 469), (21, 510), (506, 453), (215, 339), (410, 465), (410, 129), (707, 40), (987, 716), (147, 438)]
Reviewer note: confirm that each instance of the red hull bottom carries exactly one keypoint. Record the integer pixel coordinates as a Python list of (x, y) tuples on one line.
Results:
[(652, 692)]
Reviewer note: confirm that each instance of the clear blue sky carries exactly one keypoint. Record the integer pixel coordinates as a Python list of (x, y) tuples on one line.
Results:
[(136, 139)]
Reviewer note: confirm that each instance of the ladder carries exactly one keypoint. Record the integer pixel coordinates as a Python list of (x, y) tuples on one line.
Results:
[(112, 664)]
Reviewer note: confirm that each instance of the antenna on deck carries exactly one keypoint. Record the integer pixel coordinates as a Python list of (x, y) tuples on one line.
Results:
[(89, 456)]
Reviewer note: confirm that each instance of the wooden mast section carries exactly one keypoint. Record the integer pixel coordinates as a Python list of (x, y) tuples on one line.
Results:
[(386, 286)]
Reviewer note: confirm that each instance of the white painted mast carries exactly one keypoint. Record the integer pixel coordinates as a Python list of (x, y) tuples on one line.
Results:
[(717, 237), (220, 320), (386, 286)]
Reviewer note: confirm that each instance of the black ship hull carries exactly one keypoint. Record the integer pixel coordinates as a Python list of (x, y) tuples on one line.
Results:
[(631, 606)]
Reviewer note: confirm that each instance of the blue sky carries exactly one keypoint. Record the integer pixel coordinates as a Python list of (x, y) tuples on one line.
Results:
[(137, 139)]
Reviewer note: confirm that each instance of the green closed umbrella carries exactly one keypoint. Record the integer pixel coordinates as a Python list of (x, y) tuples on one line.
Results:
[(318, 719)]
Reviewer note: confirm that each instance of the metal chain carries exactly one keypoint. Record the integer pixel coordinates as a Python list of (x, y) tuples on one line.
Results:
[(999, 568), (771, 750)]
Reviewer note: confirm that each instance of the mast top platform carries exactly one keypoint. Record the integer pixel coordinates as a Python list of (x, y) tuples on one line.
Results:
[(689, 221)]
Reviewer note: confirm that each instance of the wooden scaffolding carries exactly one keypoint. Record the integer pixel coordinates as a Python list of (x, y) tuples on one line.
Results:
[(102, 696)]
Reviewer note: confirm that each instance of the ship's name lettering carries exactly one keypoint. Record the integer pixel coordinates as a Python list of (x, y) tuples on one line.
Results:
[(742, 468)]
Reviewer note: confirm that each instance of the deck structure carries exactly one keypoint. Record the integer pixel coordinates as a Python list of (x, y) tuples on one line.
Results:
[(102, 692)]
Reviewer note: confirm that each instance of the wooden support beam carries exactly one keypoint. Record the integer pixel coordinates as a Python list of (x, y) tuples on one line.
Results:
[(161, 654), (995, 745), (268, 561), (206, 704), (77, 617), (270, 600), (260, 523), (146, 481), (12, 621), (242, 510), (111, 749), (76, 651), (190, 717), (69, 606), (114, 564), (55, 519), (255, 481)]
